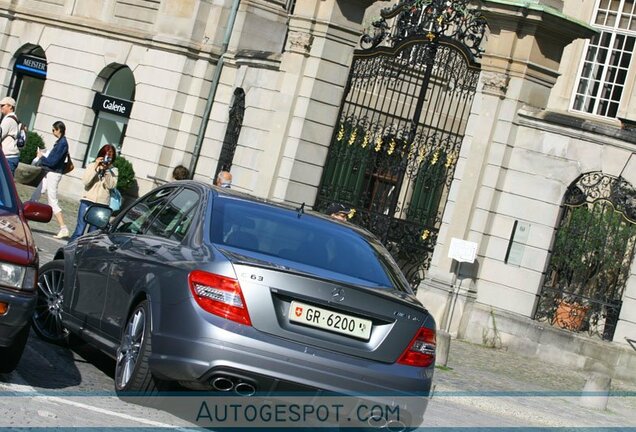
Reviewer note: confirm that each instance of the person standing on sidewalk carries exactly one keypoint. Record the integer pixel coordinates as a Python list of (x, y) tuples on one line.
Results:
[(224, 179), (180, 173), (99, 178), (55, 163), (9, 131)]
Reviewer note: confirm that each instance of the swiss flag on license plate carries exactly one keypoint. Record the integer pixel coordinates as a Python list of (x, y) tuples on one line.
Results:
[(298, 311)]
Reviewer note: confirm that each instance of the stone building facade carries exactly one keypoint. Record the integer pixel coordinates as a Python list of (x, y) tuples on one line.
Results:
[(259, 84), (159, 59), (527, 147)]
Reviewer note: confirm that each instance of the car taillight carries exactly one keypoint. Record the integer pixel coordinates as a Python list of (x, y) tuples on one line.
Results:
[(421, 350), (219, 295)]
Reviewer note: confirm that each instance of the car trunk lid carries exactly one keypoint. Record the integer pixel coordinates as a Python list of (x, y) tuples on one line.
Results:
[(329, 312)]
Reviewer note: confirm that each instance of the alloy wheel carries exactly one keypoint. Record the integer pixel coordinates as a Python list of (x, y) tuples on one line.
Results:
[(47, 317), (130, 348)]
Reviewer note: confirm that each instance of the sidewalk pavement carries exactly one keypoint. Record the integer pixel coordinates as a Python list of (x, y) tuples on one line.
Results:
[(502, 384)]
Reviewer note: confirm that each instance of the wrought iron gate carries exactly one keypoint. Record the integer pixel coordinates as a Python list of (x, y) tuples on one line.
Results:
[(402, 120), (591, 258)]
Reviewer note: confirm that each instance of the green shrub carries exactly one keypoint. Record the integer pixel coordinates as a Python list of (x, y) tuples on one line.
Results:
[(125, 174), (34, 141)]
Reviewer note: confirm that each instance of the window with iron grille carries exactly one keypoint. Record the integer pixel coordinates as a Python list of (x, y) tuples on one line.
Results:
[(608, 56), (234, 125)]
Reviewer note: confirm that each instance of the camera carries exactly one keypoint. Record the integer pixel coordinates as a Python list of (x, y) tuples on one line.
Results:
[(106, 160)]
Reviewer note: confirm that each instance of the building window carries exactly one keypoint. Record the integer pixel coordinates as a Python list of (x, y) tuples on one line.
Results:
[(230, 141), (290, 6), (608, 56), (112, 108), (29, 74)]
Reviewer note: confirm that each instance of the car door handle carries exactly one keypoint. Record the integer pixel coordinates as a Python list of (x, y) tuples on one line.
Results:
[(151, 250)]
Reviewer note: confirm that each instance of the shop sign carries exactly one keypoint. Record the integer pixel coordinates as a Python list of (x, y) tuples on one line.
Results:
[(113, 105), (31, 65)]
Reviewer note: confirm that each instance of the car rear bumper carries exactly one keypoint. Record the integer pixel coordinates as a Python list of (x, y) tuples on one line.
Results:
[(275, 366), (195, 359), (17, 317)]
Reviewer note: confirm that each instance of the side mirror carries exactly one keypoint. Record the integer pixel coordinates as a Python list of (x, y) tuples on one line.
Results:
[(37, 212), (98, 215)]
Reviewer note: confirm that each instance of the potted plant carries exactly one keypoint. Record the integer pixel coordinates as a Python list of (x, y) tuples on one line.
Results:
[(125, 179), (588, 263)]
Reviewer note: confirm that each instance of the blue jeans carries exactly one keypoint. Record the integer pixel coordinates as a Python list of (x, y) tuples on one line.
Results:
[(81, 223), (13, 163)]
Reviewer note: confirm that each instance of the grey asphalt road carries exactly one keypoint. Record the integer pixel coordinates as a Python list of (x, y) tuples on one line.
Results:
[(56, 386)]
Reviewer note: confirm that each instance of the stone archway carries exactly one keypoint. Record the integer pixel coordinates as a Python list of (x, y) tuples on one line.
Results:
[(591, 257)]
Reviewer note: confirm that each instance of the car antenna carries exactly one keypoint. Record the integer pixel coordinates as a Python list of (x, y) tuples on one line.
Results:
[(301, 210)]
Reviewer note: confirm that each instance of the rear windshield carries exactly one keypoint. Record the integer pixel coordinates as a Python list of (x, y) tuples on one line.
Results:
[(307, 240)]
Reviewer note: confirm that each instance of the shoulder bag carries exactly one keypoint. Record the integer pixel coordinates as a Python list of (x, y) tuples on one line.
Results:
[(68, 165)]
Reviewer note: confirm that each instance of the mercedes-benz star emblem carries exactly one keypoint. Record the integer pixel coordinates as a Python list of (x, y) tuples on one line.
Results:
[(337, 294)]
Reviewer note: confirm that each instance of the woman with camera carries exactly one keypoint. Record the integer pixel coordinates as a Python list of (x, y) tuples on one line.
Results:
[(99, 178)]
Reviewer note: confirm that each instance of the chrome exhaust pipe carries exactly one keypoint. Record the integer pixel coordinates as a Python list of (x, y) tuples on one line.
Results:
[(245, 389), (376, 423), (395, 426), (222, 383)]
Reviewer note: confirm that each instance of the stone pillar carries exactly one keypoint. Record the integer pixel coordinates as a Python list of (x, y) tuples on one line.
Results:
[(519, 67), (322, 35)]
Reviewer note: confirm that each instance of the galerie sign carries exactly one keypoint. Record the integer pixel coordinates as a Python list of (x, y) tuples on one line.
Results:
[(113, 105)]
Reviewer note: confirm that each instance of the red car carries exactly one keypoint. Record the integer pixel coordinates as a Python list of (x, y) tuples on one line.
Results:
[(18, 267)]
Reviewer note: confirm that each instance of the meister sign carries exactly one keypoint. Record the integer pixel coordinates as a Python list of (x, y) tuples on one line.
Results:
[(113, 105), (31, 65)]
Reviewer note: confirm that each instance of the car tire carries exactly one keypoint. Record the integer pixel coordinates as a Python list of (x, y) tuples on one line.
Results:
[(10, 356), (47, 317), (132, 372)]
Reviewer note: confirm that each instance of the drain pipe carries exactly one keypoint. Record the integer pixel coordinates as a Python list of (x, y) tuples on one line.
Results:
[(213, 86)]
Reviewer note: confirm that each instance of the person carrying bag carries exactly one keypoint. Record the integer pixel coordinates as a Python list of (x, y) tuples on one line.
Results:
[(54, 163), (99, 179)]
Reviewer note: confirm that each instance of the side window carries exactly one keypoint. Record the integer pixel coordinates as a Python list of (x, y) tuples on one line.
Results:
[(137, 217), (174, 218)]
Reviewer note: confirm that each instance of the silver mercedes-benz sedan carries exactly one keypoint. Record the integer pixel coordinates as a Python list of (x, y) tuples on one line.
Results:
[(220, 291)]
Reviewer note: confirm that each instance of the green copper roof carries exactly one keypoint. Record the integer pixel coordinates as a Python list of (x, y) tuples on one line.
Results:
[(536, 5)]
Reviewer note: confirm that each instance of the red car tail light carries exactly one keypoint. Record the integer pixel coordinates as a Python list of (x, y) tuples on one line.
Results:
[(421, 350), (219, 295)]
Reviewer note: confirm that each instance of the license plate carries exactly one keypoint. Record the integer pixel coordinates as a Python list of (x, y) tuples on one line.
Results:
[(329, 320)]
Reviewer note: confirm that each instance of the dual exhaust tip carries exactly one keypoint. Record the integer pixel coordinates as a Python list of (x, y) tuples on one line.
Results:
[(225, 383), (388, 426)]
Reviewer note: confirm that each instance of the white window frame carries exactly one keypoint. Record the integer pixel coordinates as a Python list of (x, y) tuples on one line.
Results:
[(598, 98)]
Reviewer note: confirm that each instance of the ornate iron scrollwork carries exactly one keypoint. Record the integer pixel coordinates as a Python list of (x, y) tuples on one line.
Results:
[(401, 123), (595, 186), (428, 19), (593, 251)]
